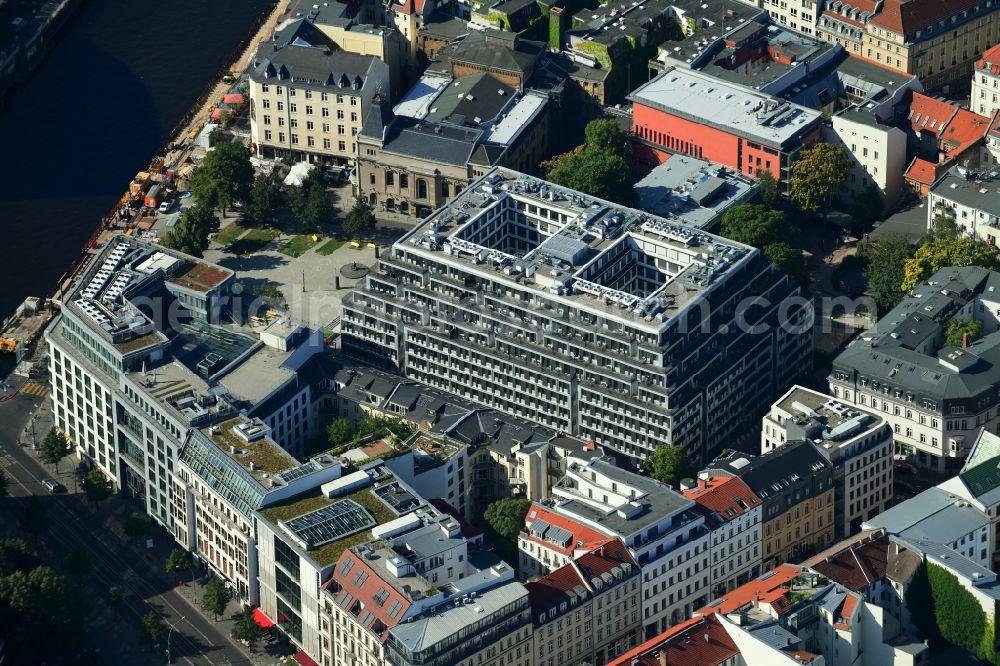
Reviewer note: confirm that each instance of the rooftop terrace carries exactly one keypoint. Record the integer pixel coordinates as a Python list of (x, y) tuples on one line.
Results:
[(260, 455)]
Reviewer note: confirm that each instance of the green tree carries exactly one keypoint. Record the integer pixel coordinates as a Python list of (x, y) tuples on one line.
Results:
[(295, 199), (54, 447), (225, 177), (599, 172), (669, 464), (15, 555), (246, 630), (97, 487), (943, 227), (606, 133), (935, 255), (4, 485), (767, 188), (866, 208), (178, 562), (754, 225), (136, 526), (945, 612), (265, 197), (216, 597), (884, 269), (819, 175), (190, 234), (360, 221), (340, 431), (318, 209), (959, 327), (151, 630), (114, 597), (788, 260), (506, 516), (47, 611), (34, 518)]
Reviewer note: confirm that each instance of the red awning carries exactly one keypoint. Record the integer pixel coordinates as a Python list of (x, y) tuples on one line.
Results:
[(304, 659), (232, 98), (262, 620), (216, 114)]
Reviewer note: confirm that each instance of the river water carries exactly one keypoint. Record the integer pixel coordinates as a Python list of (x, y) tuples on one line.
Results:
[(121, 76)]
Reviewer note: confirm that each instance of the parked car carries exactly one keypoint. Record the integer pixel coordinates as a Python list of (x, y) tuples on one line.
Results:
[(902, 467), (53, 486), (166, 205)]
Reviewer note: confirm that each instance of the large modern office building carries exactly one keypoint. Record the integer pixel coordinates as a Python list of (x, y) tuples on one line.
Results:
[(146, 348), (587, 317)]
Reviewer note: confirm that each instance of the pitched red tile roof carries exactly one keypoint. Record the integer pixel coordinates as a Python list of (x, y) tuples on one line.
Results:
[(766, 589), (928, 114), (700, 641), (990, 59), (351, 596), (904, 17), (921, 171), (583, 537), (965, 129), (845, 610), (728, 496), (576, 578)]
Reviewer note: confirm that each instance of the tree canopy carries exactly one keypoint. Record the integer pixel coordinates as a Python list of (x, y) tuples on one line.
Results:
[(190, 234), (97, 487), (866, 208), (360, 220), (225, 177), (768, 188), (755, 225), (787, 259), (960, 327), (54, 447), (34, 517), (506, 516), (599, 172), (216, 597), (151, 630), (601, 167), (265, 197), (246, 630), (340, 431), (136, 525), (884, 269), (819, 175), (177, 562), (43, 606), (940, 252), (607, 133), (669, 464)]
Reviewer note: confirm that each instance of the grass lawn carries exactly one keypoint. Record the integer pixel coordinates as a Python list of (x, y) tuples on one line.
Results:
[(231, 233), (297, 246), (253, 241), (330, 246)]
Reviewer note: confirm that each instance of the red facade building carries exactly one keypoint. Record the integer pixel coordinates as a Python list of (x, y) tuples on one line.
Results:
[(685, 111)]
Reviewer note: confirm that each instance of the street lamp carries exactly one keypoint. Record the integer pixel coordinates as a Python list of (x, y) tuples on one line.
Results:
[(172, 627)]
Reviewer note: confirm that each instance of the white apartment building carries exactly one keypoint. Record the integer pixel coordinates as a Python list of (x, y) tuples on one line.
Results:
[(877, 153), (800, 15), (733, 514), (935, 397), (223, 474), (858, 442), (968, 198), (582, 316), (550, 540), (309, 101), (985, 96), (663, 530)]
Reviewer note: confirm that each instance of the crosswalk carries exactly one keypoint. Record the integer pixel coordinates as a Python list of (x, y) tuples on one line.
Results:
[(33, 388)]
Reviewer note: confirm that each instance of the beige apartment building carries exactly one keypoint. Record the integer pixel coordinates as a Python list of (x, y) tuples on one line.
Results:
[(938, 41), (796, 14), (309, 102), (589, 610), (856, 441)]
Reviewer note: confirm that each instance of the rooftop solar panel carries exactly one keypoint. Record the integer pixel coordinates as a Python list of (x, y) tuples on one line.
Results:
[(330, 523)]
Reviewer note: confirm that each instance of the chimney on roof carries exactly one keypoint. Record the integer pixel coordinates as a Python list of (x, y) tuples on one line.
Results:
[(706, 637), (662, 654)]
